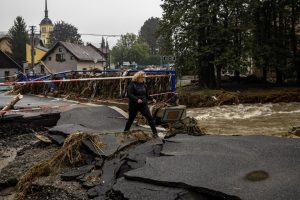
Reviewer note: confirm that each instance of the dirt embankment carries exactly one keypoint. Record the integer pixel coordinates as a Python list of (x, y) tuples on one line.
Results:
[(192, 96)]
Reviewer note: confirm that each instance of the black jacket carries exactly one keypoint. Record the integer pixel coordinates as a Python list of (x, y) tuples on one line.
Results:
[(138, 91)]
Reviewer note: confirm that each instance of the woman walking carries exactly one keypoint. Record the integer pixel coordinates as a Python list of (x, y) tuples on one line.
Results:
[(138, 101)]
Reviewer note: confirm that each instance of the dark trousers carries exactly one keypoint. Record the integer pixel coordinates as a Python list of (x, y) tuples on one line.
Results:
[(134, 108)]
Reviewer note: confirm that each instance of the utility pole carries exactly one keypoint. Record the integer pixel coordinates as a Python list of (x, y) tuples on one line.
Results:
[(32, 29)]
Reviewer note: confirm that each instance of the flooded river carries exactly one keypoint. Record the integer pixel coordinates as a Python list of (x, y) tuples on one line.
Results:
[(262, 119)]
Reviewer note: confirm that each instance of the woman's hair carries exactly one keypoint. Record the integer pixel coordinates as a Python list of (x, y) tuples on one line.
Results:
[(138, 75)]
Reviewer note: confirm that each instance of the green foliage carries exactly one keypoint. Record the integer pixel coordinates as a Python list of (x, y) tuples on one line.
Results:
[(148, 33), (210, 36), (130, 48), (18, 37), (274, 36), (64, 32)]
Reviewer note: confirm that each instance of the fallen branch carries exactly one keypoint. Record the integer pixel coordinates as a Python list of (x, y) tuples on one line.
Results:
[(10, 105)]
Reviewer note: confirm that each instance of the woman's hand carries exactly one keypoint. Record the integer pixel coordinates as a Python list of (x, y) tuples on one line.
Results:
[(154, 100), (140, 101)]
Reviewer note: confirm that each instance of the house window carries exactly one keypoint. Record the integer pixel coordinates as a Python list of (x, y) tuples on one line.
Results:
[(60, 57), (44, 30), (42, 69), (6, 75), (72, 57), (60, 49), (84, 69), (49, 58)]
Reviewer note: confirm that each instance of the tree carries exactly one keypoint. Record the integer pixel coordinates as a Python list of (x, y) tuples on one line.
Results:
[(295, 14), (275, 38), (64, 32), (103, 43), (130, 48), (210, 36), (189, 27), (18, 37), (149, 31)]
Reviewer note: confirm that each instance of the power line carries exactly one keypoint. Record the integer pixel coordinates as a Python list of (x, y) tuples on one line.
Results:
[(104, 35)]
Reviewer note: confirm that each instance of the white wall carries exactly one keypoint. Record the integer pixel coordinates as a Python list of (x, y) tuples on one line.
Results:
[(55, 66), (89, 65), (12, 72)]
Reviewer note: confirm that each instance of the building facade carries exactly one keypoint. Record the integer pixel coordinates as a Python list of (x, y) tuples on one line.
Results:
[(4, 44), (66, 56), (46, 27), (8, 67), (39, 52)]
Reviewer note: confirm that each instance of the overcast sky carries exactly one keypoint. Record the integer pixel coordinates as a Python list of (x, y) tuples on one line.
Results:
[(89, 16)]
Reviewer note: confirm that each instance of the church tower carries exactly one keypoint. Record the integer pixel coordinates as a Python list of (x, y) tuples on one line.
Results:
[(46, 26)]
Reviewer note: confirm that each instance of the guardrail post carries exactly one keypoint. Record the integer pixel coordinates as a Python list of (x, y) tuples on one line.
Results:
[(173, 82)]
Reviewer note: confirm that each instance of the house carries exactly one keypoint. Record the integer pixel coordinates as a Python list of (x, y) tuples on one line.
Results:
[(4, 43), (106, 54), (64, 56), (8, 67), (39, 52)]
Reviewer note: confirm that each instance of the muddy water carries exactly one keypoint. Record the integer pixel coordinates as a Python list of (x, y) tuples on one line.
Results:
[(262, 119)]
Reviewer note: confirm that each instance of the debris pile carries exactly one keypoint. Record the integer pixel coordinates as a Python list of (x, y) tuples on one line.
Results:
[(68, 154), (184, 125), (98, 89), (89, 157)]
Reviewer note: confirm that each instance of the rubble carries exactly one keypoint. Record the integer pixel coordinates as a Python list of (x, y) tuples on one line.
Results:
[(91, 158), (295, 131)]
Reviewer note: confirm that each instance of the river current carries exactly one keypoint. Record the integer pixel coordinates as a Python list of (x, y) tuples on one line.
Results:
[(248, 119)]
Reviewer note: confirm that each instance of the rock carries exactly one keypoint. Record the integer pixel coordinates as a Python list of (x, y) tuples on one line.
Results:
[(58, 139), (91, 179), (295, 131), (5, 183), (99, 162), (75, 172), (93, 192), (87, 158), (107, 179)]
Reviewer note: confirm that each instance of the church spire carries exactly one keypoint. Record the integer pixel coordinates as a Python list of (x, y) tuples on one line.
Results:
[(46, 9)]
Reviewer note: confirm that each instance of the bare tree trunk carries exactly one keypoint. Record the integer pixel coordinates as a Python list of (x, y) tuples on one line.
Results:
[(10, 105)]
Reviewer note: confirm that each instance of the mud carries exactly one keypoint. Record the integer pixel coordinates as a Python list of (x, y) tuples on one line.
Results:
[(138, 166), (195, 97)]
